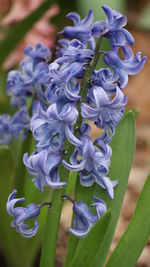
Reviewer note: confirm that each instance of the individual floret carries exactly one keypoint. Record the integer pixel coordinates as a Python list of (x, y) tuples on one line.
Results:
[(84, 219), (43, 166), (93, 164), (22, 214), (114, 28)]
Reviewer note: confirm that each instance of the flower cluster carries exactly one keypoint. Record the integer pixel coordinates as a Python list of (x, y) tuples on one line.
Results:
[(61, 113)]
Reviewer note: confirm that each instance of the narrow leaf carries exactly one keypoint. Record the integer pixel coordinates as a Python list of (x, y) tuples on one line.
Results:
[(19, 30), (136, 235), (89, 246), (123, 146)]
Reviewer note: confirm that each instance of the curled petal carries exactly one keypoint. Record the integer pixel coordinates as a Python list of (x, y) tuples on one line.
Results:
[(71, 137), (106, 183), (77, 167), (86, 180), (128, 66), (28, 233), (99, 28), (79, 232), (108, 12), (54, 183), (74, 16), (99, 205), (12, 201)]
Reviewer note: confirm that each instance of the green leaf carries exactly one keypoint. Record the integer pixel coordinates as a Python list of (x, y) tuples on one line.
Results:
[(21, 172), (71, 183), (19, 30), (89, 246), (136, 235), (123, 146)]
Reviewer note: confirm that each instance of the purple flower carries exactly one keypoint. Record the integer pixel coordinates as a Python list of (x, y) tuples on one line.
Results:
[(63, 86), (18, 89), (38, 53), (11, 127), (93, 165), (113, 28), (21, 214), (43, 166), (61, 47), (76, 52), (50, 127), (32, 78), (75, 58), (81, 29), (106, 79), (36, 77), (128, 66), (103, 110), (85, 219)]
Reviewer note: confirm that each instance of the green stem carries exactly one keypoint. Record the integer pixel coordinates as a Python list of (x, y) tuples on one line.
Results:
[(52, 224), (53, 217), (20, 173)]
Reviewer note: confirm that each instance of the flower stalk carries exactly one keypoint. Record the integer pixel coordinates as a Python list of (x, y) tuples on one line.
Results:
[(51, 228)]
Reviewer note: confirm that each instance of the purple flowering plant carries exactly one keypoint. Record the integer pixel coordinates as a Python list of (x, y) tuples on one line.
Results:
[(58, 95)]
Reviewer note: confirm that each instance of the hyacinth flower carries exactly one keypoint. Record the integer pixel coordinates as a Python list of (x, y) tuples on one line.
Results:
[(106, 79), (76, 52), (104, 111), (68, 92), (84, 219), (93, 166), (125, 67), (11, 127), (51, 127), (38, 53), (31, 79), (44, 167), (114, 28), (17, 89), (63, 86), (81, 29), (22, 214)]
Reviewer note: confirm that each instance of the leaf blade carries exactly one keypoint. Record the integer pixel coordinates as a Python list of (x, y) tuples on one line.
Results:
[(85, 252), (123, 146), (135, 237)]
